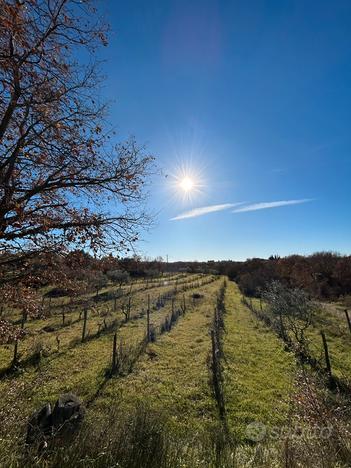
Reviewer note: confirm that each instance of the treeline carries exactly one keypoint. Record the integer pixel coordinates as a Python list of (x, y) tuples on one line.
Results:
[(78, 265), (28, 284), (324, 275), (70, 274)]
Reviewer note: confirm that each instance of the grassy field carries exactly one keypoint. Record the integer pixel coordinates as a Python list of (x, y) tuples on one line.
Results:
[(258, 373), (163, 404), (173, 374), (77, 367), (330, 318), (71, 331)]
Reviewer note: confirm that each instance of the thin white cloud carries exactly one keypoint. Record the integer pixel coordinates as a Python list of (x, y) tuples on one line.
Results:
[(204, 210), (266, 205)]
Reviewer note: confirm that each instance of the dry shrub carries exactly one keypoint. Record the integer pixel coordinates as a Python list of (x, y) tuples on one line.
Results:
[(319, 432)]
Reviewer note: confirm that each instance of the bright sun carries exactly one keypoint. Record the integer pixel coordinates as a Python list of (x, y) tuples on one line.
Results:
[(186, 184)]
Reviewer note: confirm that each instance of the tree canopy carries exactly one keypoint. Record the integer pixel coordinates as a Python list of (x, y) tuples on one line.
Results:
[(65, 181), (62, 181)]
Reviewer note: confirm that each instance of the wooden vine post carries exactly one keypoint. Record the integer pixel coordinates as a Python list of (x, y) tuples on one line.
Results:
[(326, 354), (15, 354), (114, 353), (58, 341), (85, 318), (148, 318), (348, 319), (23, 321), (129, 306)]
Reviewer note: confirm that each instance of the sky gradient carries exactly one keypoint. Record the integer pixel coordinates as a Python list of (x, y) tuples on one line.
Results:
[(253, 99)]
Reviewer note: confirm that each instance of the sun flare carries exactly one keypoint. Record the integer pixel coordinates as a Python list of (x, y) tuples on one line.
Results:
[(186, 184)]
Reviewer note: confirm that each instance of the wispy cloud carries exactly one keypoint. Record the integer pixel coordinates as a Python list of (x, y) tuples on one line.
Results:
[(266, 205), (238, 208), (204, 210)]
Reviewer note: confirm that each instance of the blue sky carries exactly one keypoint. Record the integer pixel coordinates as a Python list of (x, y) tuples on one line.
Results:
[(254, 98)]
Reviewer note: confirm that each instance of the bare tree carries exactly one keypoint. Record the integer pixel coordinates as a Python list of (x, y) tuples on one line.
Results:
[(59, 169), (292, 311)]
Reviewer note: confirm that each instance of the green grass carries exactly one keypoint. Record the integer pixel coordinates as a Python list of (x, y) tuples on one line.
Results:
[(73, 328), (258, 373), (173, 376), (79, 368), (332, 320), (163, 410)]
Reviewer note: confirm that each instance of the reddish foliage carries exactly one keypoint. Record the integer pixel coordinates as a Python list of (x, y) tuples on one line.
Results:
[(59, 170), (9, 333), (58, 167)]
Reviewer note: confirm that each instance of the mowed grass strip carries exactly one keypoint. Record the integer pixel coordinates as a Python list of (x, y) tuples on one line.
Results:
[(53, 307), (73, 331), (173, 376), (73, 328), (331, 319), (80, 369), (333, 322), (258, 373)]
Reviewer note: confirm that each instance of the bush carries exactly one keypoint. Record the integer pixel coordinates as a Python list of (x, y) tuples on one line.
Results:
[(292, 311), (118, 276)]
